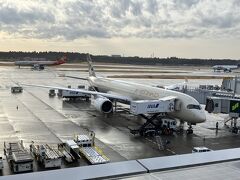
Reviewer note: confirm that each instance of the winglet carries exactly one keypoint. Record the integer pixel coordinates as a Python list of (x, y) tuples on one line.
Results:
[(90, 66)]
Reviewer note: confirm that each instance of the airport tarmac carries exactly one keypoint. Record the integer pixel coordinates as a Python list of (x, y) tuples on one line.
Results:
[(43, 119)]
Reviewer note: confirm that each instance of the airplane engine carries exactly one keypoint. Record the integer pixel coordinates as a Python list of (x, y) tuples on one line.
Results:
[(103, 105)]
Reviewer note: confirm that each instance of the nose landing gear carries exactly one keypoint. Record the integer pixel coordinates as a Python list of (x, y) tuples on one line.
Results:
[(190, 129)]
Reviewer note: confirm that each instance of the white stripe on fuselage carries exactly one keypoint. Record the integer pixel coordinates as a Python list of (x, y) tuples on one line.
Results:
[(144, 92)]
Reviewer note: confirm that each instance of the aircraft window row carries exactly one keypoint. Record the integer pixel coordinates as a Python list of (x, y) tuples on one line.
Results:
[(201, 150), (193, 106), (172, 123)]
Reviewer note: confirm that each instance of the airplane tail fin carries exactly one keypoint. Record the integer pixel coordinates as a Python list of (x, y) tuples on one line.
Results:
[(62, 60), (90, 66)]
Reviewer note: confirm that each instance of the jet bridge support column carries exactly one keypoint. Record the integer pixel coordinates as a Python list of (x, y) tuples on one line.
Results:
[(181, 127), (189, 130), (235, 128), (115, 106)]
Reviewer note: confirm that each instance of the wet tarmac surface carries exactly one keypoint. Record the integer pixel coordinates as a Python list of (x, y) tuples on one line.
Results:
[(34, 116)]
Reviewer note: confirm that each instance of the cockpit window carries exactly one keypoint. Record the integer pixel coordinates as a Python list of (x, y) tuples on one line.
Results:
[(193, 106)]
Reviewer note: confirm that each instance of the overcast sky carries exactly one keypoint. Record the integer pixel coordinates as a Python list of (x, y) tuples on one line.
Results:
[(163, 28)]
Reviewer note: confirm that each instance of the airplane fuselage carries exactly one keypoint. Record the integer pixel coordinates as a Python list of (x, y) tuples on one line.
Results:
[(190, 110), (225, 68), (41, 63), (32, 63)]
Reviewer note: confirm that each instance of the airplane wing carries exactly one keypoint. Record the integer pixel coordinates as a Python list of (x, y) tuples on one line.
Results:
[(178, 86), (107, 95), (73, 77), (174, 87)]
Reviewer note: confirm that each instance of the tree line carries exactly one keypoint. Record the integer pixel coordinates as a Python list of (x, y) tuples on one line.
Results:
[(74, 57)]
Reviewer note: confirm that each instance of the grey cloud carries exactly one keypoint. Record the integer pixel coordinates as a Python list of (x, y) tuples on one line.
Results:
[(219, 22), (185, 3), (152, 6), (226, 18), (63, 32), (136, 8), (14, 16), (121, 18), (119, 8), (236, 3)]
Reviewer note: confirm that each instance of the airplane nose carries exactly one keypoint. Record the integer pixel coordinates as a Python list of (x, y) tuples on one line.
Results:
[(201, 117)]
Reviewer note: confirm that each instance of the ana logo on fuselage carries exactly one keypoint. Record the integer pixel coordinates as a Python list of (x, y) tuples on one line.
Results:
[(153, 106)]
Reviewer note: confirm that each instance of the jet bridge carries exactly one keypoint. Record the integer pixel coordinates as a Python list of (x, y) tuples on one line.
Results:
[(153, 111), (225, 105), (163, 105)]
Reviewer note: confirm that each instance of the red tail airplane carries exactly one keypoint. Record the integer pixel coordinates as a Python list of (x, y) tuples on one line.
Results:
[(41, 64)]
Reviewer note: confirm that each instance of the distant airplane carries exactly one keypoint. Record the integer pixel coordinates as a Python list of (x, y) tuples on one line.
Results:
[(224, 68), (39, 65), (178, 86), (107, 90)]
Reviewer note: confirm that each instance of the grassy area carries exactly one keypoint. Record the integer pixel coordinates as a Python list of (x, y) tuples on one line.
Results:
[(7, 60)]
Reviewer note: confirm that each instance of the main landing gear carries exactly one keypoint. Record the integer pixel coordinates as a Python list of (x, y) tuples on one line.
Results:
[(190, 129)]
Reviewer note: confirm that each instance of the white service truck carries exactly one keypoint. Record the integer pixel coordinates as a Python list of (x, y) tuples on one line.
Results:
[(88, 150), (47, 156), (16, 89), (70, 95), (168, 126), (51, 93), (200, 149)]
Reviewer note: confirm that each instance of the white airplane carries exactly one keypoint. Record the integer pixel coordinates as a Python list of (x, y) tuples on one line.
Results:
[(108, 90), (224, 68)]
